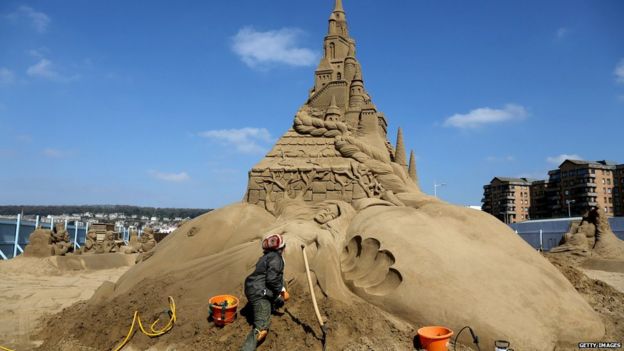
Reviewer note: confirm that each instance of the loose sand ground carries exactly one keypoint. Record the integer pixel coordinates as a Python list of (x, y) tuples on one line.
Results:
[(34, 287)]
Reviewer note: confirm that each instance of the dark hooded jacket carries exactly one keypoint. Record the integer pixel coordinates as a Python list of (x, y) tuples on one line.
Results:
[(267, 280)]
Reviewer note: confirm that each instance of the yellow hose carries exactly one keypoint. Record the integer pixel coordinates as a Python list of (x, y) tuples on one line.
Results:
[(5, 348), (152, 332)]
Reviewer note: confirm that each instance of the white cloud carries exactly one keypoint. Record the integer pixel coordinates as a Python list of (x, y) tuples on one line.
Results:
[(245, 140), (562, 32), (6, 76), (47, 70), (43, 69), (557, 160), (619, 71), (56, 153), (260, 49), (38, 20), (485, 115), (170, 177)]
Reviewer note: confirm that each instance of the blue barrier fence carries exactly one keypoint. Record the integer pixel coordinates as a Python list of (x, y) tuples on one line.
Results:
[(547, 233), (14, 234)]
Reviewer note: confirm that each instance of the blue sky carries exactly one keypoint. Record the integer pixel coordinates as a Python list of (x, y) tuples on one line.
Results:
[(166, 103)]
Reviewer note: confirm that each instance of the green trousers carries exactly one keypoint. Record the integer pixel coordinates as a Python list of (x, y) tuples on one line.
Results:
[(262, 320)]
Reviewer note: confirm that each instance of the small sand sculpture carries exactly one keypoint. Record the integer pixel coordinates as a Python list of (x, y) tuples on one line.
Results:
[(142, 245), (101, 238), (39, 244), (46, 242), (592, 236), (60, 240), (334, 183)]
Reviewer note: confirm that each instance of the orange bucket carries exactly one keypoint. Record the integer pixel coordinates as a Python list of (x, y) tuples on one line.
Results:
[(223, 309), (435, 338)]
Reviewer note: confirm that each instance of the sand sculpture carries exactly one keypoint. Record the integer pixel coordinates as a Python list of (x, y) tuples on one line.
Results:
[(335, 184), (142, 245), (101, 238), (46, 242), (592, 236)]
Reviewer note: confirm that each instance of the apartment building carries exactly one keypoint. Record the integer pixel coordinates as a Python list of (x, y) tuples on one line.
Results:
[(539, 193), (585, 184), (570, 190), (508, 199), (618, 191)]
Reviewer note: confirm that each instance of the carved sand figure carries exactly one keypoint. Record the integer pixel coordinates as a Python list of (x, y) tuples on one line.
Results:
[(335, 184), (592, 236), (39, 244), (60, 240), (90, 241), (142, 245)]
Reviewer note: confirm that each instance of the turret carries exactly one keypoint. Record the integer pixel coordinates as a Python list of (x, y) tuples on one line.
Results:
[(350, 63), (339, 20), (333, 113), (356, 94)]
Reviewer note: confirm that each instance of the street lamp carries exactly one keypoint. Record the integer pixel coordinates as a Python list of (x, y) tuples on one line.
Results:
[(436, 186), (568, 202)]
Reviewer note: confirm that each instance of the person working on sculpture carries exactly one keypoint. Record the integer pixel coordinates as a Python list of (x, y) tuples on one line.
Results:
[(264, 289)]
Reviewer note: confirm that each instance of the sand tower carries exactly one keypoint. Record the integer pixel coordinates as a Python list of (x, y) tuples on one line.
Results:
[(337, 148)]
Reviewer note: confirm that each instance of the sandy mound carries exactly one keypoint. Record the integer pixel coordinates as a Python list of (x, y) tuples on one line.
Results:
[(601, 296), (439, 268), (34, 287)]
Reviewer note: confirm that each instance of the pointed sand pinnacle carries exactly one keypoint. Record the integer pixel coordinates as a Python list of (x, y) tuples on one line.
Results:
[(399, 153), (338, 6), (412, 167)]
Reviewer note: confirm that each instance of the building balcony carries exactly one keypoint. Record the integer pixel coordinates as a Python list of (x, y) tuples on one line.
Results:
[(588, 193), (588, 203)]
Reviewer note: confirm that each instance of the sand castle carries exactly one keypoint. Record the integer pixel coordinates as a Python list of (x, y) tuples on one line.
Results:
[(334, 183)]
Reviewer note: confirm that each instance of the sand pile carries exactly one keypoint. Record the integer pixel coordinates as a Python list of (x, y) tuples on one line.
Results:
[(602, 295), (34, 287), (420, 277), (356, 326)]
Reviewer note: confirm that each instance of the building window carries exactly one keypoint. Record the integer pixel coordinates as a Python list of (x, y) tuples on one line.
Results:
[(339, 76)]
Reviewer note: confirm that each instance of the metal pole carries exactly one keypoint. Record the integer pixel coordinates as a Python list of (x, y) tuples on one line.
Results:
[(65, 224), (52, 223), (17, 230), (569, 212), (75, 234), (541, 240), (37, 222), (435, 188)]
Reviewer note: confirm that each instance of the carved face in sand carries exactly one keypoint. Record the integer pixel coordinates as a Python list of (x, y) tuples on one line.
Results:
[(327, 214)]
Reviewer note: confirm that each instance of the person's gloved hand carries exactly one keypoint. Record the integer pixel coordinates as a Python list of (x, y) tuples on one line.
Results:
[(285, 295)]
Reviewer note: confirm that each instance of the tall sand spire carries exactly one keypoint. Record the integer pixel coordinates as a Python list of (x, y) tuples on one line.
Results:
[(399, 153), (412, 167)]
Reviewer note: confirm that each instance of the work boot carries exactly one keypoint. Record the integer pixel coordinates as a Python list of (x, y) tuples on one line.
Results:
[(261, 335)]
